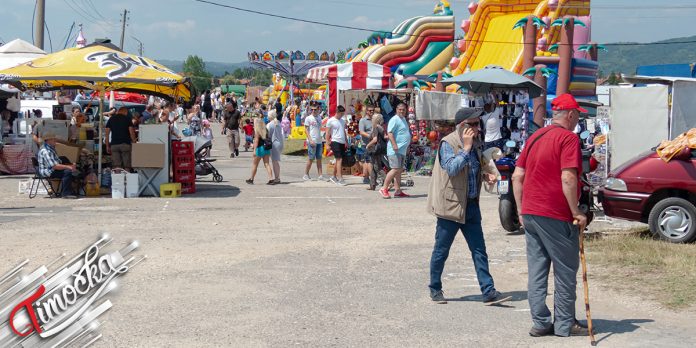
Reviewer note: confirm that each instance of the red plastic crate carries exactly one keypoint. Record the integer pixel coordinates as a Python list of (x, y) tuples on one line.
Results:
[(176, 145), (184, 175), (183, 152), (188, 187), (184, 165)]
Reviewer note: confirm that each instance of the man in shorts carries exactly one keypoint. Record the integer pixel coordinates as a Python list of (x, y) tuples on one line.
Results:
[(399, 139), (315, 145), (365, 129), (337, 138)]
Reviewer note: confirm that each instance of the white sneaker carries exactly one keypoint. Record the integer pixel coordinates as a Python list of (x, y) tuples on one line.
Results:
[(334, 180), (321, 178), (306, 178), (341, 182)]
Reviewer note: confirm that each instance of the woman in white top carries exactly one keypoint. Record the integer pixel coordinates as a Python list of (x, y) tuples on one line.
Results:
[(275, 131), (492, 123)]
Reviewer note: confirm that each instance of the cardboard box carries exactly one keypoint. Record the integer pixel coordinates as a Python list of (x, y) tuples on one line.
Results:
[(71, 152), (329, 169), (345, 171), (147, 155)]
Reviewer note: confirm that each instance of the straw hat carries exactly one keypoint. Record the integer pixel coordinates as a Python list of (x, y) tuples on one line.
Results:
[(48, 135)]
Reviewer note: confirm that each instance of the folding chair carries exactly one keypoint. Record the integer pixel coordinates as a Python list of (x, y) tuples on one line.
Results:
[(42, 181)]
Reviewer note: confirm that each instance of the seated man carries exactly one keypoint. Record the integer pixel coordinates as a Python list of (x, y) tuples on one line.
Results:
[(50, 166)]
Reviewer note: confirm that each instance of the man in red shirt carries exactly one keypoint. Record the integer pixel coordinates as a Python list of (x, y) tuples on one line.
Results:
[(546, 190)]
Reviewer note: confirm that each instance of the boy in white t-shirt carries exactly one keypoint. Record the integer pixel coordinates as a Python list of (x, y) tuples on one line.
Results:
[(337, 138), (315, 143)]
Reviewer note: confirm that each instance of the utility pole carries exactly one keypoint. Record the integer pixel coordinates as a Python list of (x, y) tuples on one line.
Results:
[(123, 27), (39, 23), (140, 45)]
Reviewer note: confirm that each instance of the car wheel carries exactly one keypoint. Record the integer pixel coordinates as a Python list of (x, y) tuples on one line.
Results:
[(507, 209), (674, 220)]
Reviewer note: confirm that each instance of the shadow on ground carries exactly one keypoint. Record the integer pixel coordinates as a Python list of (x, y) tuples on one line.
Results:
[(204, 190), (606, 328), (516, 296)]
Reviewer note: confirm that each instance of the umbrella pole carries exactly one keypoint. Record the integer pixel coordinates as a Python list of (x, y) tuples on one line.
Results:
[(101, 138)]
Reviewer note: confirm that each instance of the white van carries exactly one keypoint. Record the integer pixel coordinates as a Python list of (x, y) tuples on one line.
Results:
[(46, 107)]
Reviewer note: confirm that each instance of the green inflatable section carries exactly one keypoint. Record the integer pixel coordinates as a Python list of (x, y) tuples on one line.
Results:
[(432, 51)]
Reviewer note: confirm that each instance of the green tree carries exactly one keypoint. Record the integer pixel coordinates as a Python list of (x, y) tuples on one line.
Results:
[(614, 79), (194, 67)]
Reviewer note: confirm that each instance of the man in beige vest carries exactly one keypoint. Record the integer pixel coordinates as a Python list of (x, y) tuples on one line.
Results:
[(454, 199)]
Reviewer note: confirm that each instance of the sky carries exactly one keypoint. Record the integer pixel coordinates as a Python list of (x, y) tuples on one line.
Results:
[(174, 29)]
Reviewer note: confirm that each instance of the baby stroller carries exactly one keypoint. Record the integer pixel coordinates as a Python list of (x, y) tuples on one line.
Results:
[(204, 166)]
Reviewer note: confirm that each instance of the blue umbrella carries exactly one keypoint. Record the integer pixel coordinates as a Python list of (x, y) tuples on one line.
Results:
[(494, 77)]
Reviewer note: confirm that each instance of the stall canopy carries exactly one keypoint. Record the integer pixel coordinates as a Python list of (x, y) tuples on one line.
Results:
[(350, 76), (494, 77), (14, 53), (101, 67)]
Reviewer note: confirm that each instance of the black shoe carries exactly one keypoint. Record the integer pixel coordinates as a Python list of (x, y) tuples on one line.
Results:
[(236, 152), (271, 182), (579, 329), (249, 181), (438, 297), (534, 332), (495, 298)]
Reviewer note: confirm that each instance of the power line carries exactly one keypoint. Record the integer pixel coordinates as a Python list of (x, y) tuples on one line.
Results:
[(407, 34), (50, 41)]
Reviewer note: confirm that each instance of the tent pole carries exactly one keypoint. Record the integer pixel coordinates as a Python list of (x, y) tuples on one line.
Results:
[(101, 138)]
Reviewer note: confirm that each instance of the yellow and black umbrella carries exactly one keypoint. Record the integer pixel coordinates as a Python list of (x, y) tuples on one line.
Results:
[(100, 67)]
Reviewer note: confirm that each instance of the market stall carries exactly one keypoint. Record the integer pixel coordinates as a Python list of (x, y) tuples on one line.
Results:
[(101, 67), (350, 76)]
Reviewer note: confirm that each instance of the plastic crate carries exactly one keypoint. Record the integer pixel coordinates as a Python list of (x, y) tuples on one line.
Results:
[(176, 145), (184, 175), (183, 159), (188, 187), (184, 165), (182, 152), (170, 190)]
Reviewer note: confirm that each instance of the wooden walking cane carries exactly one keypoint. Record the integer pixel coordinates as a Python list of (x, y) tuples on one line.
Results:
[(593, 342)]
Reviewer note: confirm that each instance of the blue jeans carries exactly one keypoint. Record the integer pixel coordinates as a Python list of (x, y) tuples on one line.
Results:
[(445, 232), (66, 177)]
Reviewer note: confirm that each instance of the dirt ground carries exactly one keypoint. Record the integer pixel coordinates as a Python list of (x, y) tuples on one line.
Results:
[(307, 264)]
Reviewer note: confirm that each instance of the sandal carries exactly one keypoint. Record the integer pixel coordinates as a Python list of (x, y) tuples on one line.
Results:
[(250, 181)]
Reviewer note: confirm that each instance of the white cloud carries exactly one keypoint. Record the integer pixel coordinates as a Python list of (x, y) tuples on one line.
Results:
[(173, 28), (376, 24)]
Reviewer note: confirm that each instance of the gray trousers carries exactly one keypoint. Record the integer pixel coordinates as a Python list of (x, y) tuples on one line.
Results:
[(551, 241)]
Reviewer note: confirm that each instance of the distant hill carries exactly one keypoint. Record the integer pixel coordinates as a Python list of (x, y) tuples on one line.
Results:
[(625, 59), (215, 68)]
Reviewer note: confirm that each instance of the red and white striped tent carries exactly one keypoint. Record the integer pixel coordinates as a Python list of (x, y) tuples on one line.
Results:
[(350, 76)]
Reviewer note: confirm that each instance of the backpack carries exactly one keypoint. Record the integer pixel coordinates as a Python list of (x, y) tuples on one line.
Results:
[(268, 142)]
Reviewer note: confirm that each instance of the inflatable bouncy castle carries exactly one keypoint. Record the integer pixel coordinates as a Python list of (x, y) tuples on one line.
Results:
[(491, 40), (418, 46)]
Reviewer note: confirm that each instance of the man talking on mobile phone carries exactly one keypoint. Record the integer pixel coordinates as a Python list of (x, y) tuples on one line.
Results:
[(454, 199)]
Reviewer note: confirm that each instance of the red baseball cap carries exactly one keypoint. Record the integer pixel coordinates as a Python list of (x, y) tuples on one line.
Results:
[(566, 102)]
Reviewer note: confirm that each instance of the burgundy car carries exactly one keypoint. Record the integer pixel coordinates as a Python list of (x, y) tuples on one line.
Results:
[(648, 190)]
